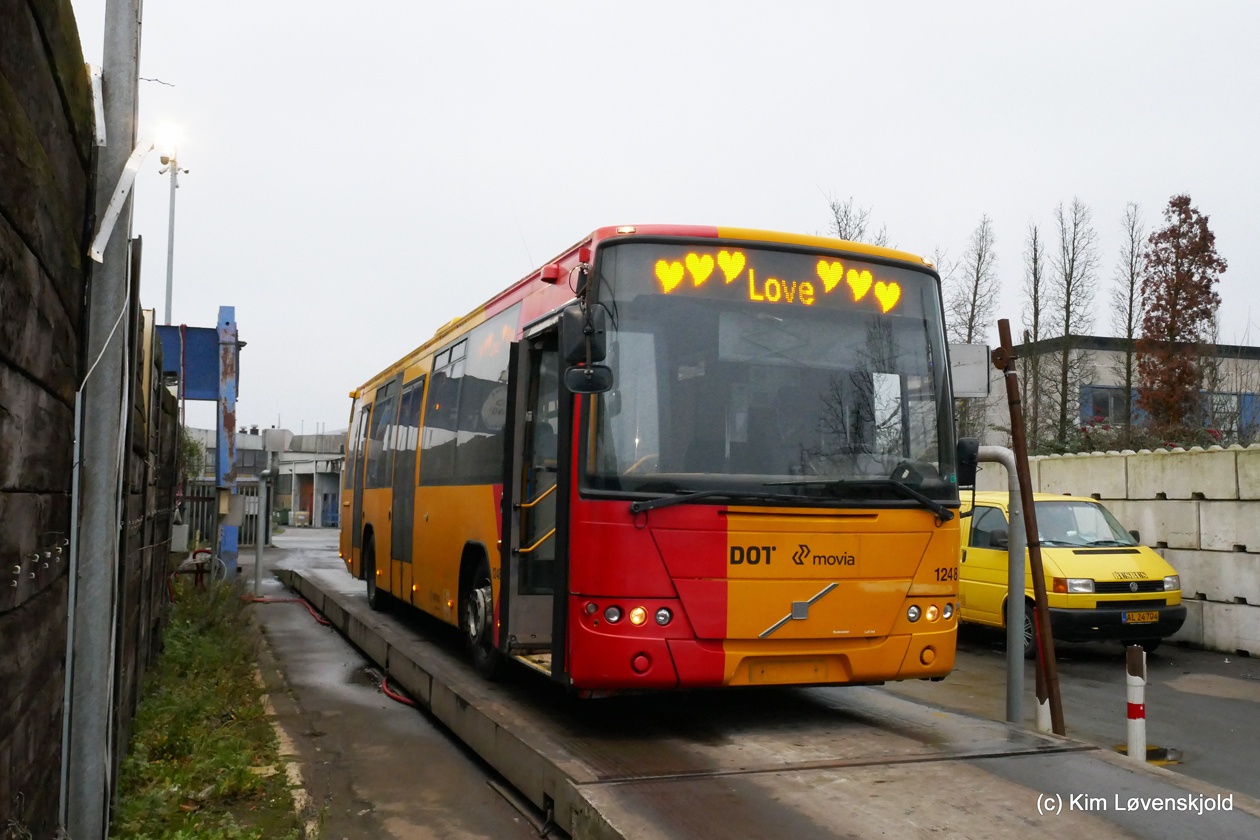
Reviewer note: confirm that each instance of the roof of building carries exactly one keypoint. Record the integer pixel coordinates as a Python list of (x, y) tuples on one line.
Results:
[(1120, 345)]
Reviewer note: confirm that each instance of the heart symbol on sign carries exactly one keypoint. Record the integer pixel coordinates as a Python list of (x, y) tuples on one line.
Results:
[(888, 294), (860, 284), (669, 273), (731, 264), (700, 267), (830, 274)]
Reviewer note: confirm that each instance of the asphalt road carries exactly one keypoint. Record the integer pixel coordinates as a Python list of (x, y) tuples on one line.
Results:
[(1207, 705)]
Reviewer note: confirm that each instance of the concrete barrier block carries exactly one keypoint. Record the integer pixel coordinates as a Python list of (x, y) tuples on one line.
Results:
[(1175, 524), (1229, 526), (1248, 473), (991, 477), (1231, 628), (1217, 575), (1085, 475), (1184, 475), (1191, 633)]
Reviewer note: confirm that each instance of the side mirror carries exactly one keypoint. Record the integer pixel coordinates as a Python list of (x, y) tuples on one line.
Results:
[(595, 379), (579, 327), (998, 538), (968, 455), (1137, 538)]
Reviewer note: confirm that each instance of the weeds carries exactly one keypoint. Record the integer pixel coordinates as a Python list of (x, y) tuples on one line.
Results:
[(203, 763)]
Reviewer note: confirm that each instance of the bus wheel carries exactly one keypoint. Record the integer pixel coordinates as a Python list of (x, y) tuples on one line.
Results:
[(477, 617), (1030, 632), (375, 597)]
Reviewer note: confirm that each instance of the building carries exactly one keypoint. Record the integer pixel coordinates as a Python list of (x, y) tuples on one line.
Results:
[(311, 463), (1232, 382), (309, 479)]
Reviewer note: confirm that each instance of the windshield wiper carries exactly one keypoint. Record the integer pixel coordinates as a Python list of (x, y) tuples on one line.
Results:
[(1107, 542), (685, 496), (834, 484)]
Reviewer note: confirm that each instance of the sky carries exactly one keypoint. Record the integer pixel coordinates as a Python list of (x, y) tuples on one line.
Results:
[(358, 179)]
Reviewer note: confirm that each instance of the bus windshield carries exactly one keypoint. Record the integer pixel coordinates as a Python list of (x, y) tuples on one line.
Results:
[(756, 370)]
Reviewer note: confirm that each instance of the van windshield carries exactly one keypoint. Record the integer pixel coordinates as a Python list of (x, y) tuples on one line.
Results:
[(1079, 524)]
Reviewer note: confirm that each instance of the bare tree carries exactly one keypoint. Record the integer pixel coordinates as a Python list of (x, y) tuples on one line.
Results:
[(1037, 321), (1075, 265), (970, 303), (854, 223), (1126, 305)]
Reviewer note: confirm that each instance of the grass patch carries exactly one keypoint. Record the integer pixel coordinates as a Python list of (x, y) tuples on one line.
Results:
[(203, 762)]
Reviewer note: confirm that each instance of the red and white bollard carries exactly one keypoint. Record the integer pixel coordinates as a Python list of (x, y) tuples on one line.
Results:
[(1135, 666)]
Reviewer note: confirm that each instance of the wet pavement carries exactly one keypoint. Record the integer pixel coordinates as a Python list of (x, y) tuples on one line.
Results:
[(1204, 704), (373, 767), (382, 769)]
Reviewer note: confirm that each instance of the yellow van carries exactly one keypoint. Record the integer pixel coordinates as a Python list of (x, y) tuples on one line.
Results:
[(1100, 581)]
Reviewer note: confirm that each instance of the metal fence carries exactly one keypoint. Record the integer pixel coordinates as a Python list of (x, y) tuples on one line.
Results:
[(201, 512)]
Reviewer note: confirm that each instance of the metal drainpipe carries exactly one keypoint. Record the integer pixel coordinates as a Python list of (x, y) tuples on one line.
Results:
[(1016, 582)]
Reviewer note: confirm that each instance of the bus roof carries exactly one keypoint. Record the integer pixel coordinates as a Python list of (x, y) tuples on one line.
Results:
[(516, 291)]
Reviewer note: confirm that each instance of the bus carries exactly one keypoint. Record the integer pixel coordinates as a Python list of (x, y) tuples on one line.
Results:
[(675, 457)]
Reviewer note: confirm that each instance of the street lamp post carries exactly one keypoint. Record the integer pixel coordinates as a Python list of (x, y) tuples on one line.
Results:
[(171, 164)]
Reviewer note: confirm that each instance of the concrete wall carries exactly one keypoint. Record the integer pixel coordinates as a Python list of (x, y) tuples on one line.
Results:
[(1199, 508)]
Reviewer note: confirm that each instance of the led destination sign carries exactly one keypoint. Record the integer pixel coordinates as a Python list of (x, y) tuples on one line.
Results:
[(775, 278)]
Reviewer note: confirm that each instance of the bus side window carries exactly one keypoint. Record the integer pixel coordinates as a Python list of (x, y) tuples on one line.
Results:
[(483, 400), (378, 460), (437, 457)]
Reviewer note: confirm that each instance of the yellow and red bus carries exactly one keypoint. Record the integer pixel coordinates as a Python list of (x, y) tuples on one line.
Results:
[(766, 494)]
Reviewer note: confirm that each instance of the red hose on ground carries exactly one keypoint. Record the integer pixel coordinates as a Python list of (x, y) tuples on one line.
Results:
[(392, 695), (301, 601)]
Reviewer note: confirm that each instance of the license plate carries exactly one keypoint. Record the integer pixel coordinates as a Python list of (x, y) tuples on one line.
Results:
[(1141, 617)]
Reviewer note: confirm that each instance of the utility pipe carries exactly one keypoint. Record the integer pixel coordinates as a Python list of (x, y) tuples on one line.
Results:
[(1015, 581)]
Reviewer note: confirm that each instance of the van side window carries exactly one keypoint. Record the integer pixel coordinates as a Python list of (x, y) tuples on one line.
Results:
[(984, 522)]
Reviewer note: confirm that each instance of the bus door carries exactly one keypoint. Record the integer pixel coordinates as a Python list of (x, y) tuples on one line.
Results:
[(533, 577), (360, 455)]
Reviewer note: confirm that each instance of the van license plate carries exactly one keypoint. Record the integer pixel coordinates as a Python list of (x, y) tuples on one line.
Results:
[(1141, 617)]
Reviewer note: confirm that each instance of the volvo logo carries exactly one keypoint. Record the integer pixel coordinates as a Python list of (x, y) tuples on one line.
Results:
[(1133, 587), (800, 611)]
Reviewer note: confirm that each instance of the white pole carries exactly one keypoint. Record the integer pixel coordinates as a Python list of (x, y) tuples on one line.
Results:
[(1017, 552), (1135, 666), (170, 235), (1044, 723)]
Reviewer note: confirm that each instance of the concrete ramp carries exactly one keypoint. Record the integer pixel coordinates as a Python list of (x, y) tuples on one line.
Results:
[(767, 763)]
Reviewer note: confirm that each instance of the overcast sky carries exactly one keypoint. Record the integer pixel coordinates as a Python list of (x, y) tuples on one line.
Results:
[(359, 178)]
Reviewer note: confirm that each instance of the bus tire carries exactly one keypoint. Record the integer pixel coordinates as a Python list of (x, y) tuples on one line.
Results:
[(476, 619), (375, 597), (1030, 632)]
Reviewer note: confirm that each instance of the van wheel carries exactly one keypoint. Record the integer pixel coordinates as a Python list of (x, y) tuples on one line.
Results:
[(1148, 645), (375, 597), (477, 618), (1030, 632)]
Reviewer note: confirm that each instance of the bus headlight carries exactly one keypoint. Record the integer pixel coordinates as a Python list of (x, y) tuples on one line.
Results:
[(638, 615), (612, 615), (664, 616), (932, 613), (947, 612), (913, 613), (1172, 582)]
